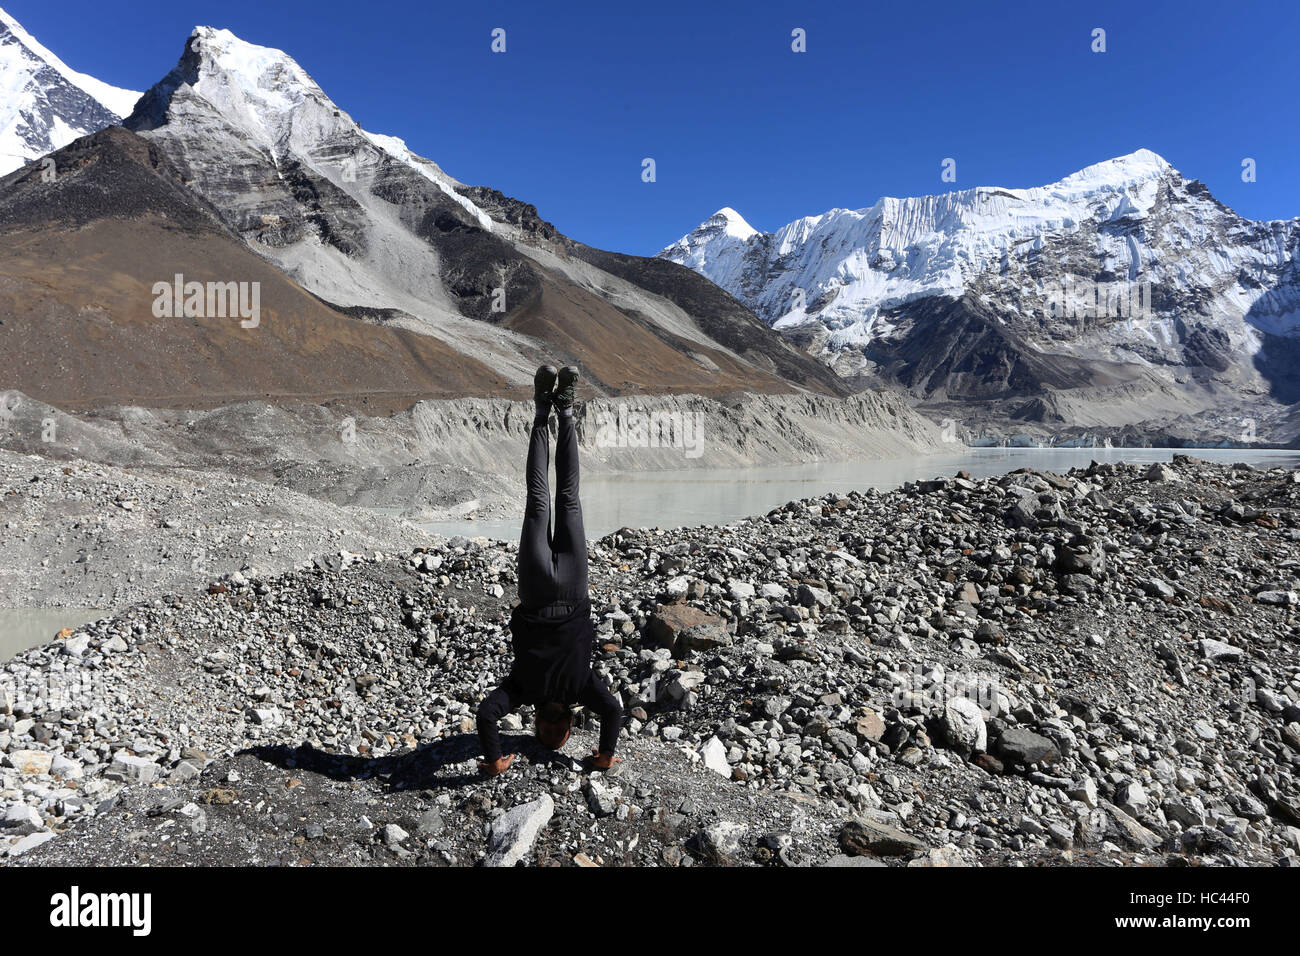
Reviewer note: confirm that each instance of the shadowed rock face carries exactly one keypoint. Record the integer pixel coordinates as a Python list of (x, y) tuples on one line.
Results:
[(382, 234)]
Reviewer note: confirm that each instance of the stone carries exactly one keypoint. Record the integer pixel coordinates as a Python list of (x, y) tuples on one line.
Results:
[(1159, 588), (714, 753), (740, 590), (30, 763), (1085, 791), (1291, 735), (511, 836), (185, 771), (1024, 746), (265, 716), (988, 763), (1160, 472), (392, 834), (869, 726), (1131, 796), (66, 767), (1278, 598), (677, 688), (867, 836), (963, 726), (940, 856), (810, 596), (676, 588), (133, 769), (1220, 651), (22, 819), (601, 799), (682, 629), (29, 843), (718, 842), (1129, 829)]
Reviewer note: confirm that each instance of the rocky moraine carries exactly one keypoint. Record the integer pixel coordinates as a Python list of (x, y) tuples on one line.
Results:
[(1098, 667)]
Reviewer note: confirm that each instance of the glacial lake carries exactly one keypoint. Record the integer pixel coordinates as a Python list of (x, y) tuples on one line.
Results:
[(21, 628), (668, 499)]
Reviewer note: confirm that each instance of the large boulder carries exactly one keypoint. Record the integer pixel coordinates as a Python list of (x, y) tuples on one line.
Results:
[(511, 836), (867, 836), (30, 763), (683, 629), (964, 727), (1018, 745)]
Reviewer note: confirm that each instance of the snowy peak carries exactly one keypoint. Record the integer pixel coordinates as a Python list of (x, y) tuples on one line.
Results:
[(855, 262), (1135, 167), (264, 98), (44, 103), (732, 223), (257, 90), (721, 238), (852, 284)]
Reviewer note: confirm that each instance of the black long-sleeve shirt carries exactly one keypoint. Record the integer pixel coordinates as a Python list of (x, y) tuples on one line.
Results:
[(552, 653), (552, 663)]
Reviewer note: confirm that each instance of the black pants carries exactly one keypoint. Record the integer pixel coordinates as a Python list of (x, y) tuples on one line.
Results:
[(595, 696), (552, 566)]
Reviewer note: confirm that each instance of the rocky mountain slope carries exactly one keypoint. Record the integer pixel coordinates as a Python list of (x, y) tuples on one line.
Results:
[(980, 296), (366, 225), (44, 104), (1096, 668), (80, 260)]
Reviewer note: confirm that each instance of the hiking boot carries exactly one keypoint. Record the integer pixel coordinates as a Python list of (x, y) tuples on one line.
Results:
[(566, 390), (543, 382)]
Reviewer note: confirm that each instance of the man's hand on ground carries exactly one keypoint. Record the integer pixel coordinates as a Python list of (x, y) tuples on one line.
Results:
[(494, 768), (601, 761)]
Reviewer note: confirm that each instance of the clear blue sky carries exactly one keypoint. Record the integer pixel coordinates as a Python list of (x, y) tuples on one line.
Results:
[(733, 117)]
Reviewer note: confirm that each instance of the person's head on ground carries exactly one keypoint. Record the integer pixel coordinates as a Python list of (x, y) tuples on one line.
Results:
[(554, 720)]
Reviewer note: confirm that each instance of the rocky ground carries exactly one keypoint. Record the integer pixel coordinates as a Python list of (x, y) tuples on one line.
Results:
[(1099, 667), (79, 534)]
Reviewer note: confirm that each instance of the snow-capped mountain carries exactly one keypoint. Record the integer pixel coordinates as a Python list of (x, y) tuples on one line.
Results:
[(44, 104), (982, 293), (375, 230)]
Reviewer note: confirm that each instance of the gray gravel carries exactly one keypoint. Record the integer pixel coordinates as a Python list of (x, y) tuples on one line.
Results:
[(1092, 668)]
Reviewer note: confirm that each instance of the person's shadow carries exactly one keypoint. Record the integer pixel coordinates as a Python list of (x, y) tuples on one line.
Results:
[(427, 767)]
